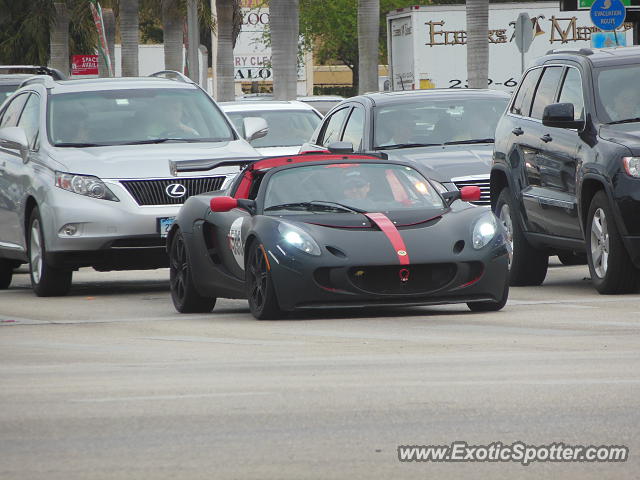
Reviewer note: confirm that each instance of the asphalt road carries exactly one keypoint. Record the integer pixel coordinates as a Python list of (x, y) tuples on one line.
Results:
[(110, 382)]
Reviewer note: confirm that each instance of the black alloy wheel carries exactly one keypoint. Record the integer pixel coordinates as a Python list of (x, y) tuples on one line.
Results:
[(184, 295), (260, 291)]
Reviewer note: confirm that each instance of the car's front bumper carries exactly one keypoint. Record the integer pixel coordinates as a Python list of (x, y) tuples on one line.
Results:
[(475, 277)]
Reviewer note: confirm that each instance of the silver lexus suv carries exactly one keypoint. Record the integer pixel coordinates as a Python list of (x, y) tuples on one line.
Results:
[(86, 177)]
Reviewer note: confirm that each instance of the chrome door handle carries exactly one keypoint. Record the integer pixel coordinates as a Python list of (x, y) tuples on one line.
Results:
[(517, 131), (546, 138)]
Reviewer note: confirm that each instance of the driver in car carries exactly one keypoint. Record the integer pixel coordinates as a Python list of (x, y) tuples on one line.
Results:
[(356, 187), (166, 119)]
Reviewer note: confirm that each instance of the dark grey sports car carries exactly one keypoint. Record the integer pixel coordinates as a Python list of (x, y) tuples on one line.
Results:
[(327, 230)]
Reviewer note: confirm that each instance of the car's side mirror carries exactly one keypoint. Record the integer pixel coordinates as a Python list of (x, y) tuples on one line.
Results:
[(255, 127), (466, 194), (224, 204), (340, 147), (14, 138), (560, 115)]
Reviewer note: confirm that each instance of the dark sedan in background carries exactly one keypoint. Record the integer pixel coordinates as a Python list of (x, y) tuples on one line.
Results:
[(449, 132)]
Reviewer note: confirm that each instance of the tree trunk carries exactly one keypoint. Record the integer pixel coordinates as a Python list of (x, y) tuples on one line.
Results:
[(193, 36), (368, 34), (129, 31), (110, 32), (224, 67), (477, 43), (59, 38), (172, 24), (284, 24)]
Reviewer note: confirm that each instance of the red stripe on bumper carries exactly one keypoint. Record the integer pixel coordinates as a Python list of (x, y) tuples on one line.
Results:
[(390, 230)]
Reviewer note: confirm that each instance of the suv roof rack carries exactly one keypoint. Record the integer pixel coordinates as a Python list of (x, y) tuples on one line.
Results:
[(46, 80), (172, 75), (35, 70), (582, 51)]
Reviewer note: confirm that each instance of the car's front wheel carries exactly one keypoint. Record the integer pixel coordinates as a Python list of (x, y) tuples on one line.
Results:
[(490, 306), (609, 263), (6, 273), (260, 291), (184, 295), (46, 281), (527, 265)]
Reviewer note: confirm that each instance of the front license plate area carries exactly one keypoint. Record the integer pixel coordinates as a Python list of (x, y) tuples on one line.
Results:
[(164, 225)]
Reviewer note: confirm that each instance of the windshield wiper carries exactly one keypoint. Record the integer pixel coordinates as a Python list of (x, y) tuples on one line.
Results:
[(406, 145), (475, 140), (626, 120), (156, 140), (314, 203), (80, 144)]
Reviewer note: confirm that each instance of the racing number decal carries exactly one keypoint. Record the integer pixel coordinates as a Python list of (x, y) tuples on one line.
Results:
[(236, 245)]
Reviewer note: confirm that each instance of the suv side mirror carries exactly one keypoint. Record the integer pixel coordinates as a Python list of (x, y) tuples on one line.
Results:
[(14, 138), (560, 115), (255, 127)]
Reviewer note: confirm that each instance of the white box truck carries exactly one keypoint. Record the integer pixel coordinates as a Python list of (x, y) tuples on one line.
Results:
[(427, 45)]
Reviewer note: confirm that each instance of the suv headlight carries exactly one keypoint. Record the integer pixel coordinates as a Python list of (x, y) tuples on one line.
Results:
[(298, 238), (86, 185), (484, 230), (632, 166)]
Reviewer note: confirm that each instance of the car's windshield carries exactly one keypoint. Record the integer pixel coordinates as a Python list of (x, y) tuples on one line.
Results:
[(126, 116), (618, 94), (287, 128), (437, 121), (6, 91), (349, 188)]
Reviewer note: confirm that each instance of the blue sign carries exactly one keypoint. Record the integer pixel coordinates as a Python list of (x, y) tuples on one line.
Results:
[(608, 15)]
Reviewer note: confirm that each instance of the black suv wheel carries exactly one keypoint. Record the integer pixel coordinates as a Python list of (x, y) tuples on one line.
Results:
[(528, 265), (609, 263)]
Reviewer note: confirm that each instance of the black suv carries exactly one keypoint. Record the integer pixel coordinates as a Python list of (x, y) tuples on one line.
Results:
[(565, 178)]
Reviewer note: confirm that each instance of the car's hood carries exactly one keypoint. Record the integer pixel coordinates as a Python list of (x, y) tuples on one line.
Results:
[(146, 161), (627, 134), (277, 151), (442, 163)]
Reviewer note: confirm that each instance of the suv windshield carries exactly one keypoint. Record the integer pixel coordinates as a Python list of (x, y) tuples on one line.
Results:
[(287, 128), (619, 97), (349, 188), (130, 116), (437, 122)]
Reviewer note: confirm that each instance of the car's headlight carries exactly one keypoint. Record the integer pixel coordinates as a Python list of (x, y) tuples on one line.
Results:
[(484, 230), (298, 238), (632, 166), (86, 185)]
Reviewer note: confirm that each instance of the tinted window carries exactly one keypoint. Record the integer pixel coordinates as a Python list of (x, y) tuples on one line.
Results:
[(354, 131), (437, 121), (546, 92), (6, 91), (111, 117), (30, 119), (287, 128), (617, 92), (522, 103), (12, 112), (572, 92), (333, 126)]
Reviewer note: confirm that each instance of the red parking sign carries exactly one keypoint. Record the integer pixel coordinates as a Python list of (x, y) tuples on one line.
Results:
[(84, 65)]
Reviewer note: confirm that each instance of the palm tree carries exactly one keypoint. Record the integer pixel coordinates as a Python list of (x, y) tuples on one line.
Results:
[(477, 43), (129, 31), (110, 32), (284, 20), (368, 35), (59, 38), (225, 88), (173, 25)]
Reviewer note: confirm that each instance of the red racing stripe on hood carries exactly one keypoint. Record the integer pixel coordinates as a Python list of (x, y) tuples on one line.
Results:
[(392, 233)]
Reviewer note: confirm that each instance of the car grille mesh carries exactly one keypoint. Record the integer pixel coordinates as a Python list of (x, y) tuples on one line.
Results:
[(483, 183), (386, 280), (154, 192)]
